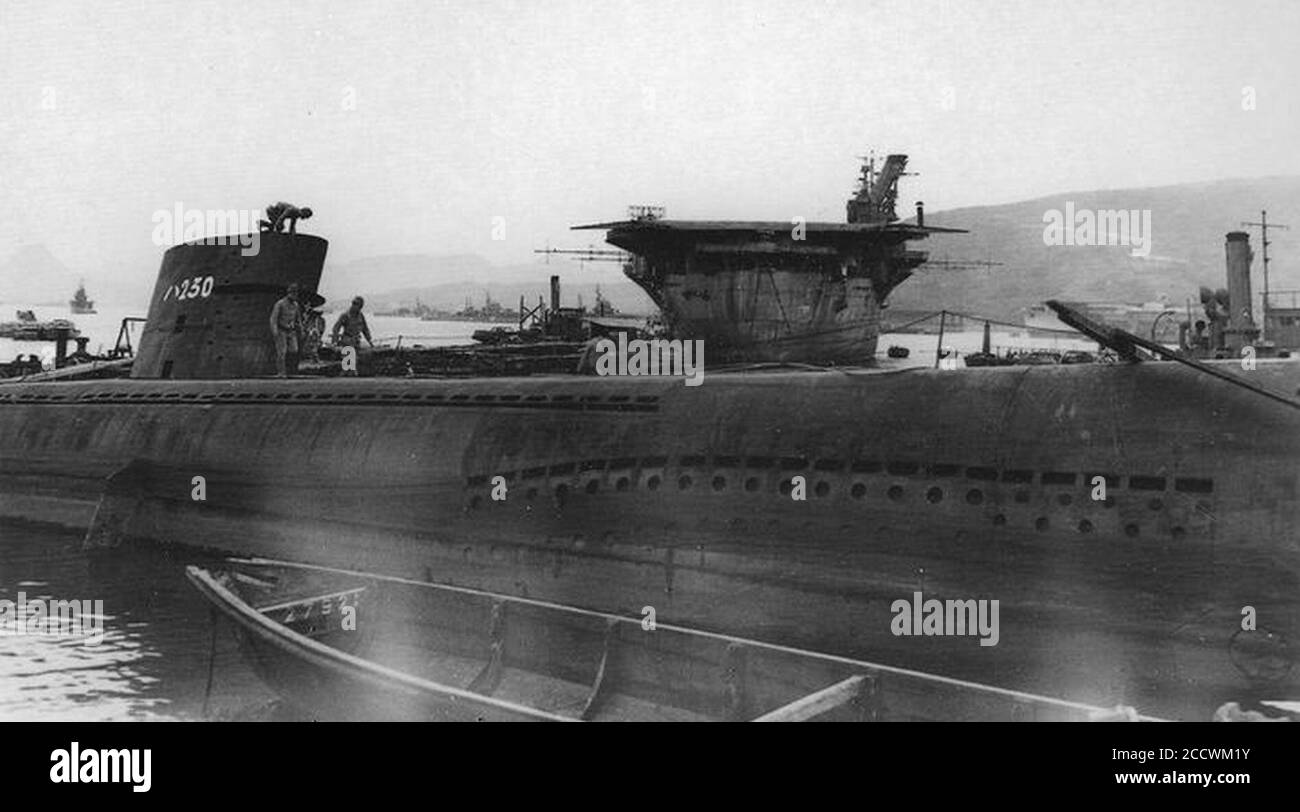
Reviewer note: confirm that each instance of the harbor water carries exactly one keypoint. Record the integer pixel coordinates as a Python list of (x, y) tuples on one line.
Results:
[(159, 638)]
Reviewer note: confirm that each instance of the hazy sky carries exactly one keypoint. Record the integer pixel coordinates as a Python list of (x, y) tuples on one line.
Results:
[(408, 127)]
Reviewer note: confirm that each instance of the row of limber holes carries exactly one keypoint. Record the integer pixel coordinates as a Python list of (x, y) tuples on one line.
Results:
[(823, 488), (895, 493)]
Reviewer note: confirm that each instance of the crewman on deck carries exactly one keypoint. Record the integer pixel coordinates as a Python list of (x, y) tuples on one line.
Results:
[(285, 323), (352, 323), (590, 354), (1201, 341), (313, 330)]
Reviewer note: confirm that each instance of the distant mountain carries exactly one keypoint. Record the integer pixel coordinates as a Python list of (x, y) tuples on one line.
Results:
[(1188, 224), (374, 275), (31, 274)]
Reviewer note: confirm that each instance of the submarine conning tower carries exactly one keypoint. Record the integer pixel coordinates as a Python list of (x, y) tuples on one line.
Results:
[(211, 308)]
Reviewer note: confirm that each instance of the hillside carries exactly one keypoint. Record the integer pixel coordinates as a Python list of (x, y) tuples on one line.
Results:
[(33, 275), (374, 276), (1188, 223)]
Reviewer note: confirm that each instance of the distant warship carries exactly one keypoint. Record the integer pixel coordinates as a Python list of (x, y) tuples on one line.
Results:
[(80, 303)]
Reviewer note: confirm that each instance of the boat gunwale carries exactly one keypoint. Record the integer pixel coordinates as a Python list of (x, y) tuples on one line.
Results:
[(858, 666), (287, 639)]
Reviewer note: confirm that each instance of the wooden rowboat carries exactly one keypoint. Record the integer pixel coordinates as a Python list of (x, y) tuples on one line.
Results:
[(348, 645)]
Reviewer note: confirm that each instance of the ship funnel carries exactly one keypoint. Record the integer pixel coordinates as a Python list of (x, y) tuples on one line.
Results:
[(211, 309), (920, 213), (1241, 330), (555, 293)]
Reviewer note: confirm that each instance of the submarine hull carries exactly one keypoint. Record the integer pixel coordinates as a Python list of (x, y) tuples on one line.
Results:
[(621, 494)]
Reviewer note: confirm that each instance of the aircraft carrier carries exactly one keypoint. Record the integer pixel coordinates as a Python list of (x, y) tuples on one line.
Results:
[(773, 291)]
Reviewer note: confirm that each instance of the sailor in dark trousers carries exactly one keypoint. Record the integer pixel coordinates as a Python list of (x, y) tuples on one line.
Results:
[(352, 324), (285, 318)]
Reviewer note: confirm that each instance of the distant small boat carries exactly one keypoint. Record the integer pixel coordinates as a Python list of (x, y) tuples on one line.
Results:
[(985, 359), (1037, 358), (1078, 357), (349, 645), (27, 328), (496, 335)]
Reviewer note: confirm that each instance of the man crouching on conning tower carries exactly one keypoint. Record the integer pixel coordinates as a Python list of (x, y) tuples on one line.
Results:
[(281, 214)]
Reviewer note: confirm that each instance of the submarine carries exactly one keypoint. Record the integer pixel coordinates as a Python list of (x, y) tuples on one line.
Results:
[(1136, 522)]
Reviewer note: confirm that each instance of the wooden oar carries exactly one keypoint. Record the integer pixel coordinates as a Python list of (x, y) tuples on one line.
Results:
[(1127, 344)]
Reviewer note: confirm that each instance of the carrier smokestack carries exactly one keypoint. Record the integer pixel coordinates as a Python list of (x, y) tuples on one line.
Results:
[(1241, 330), (555, 293)]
